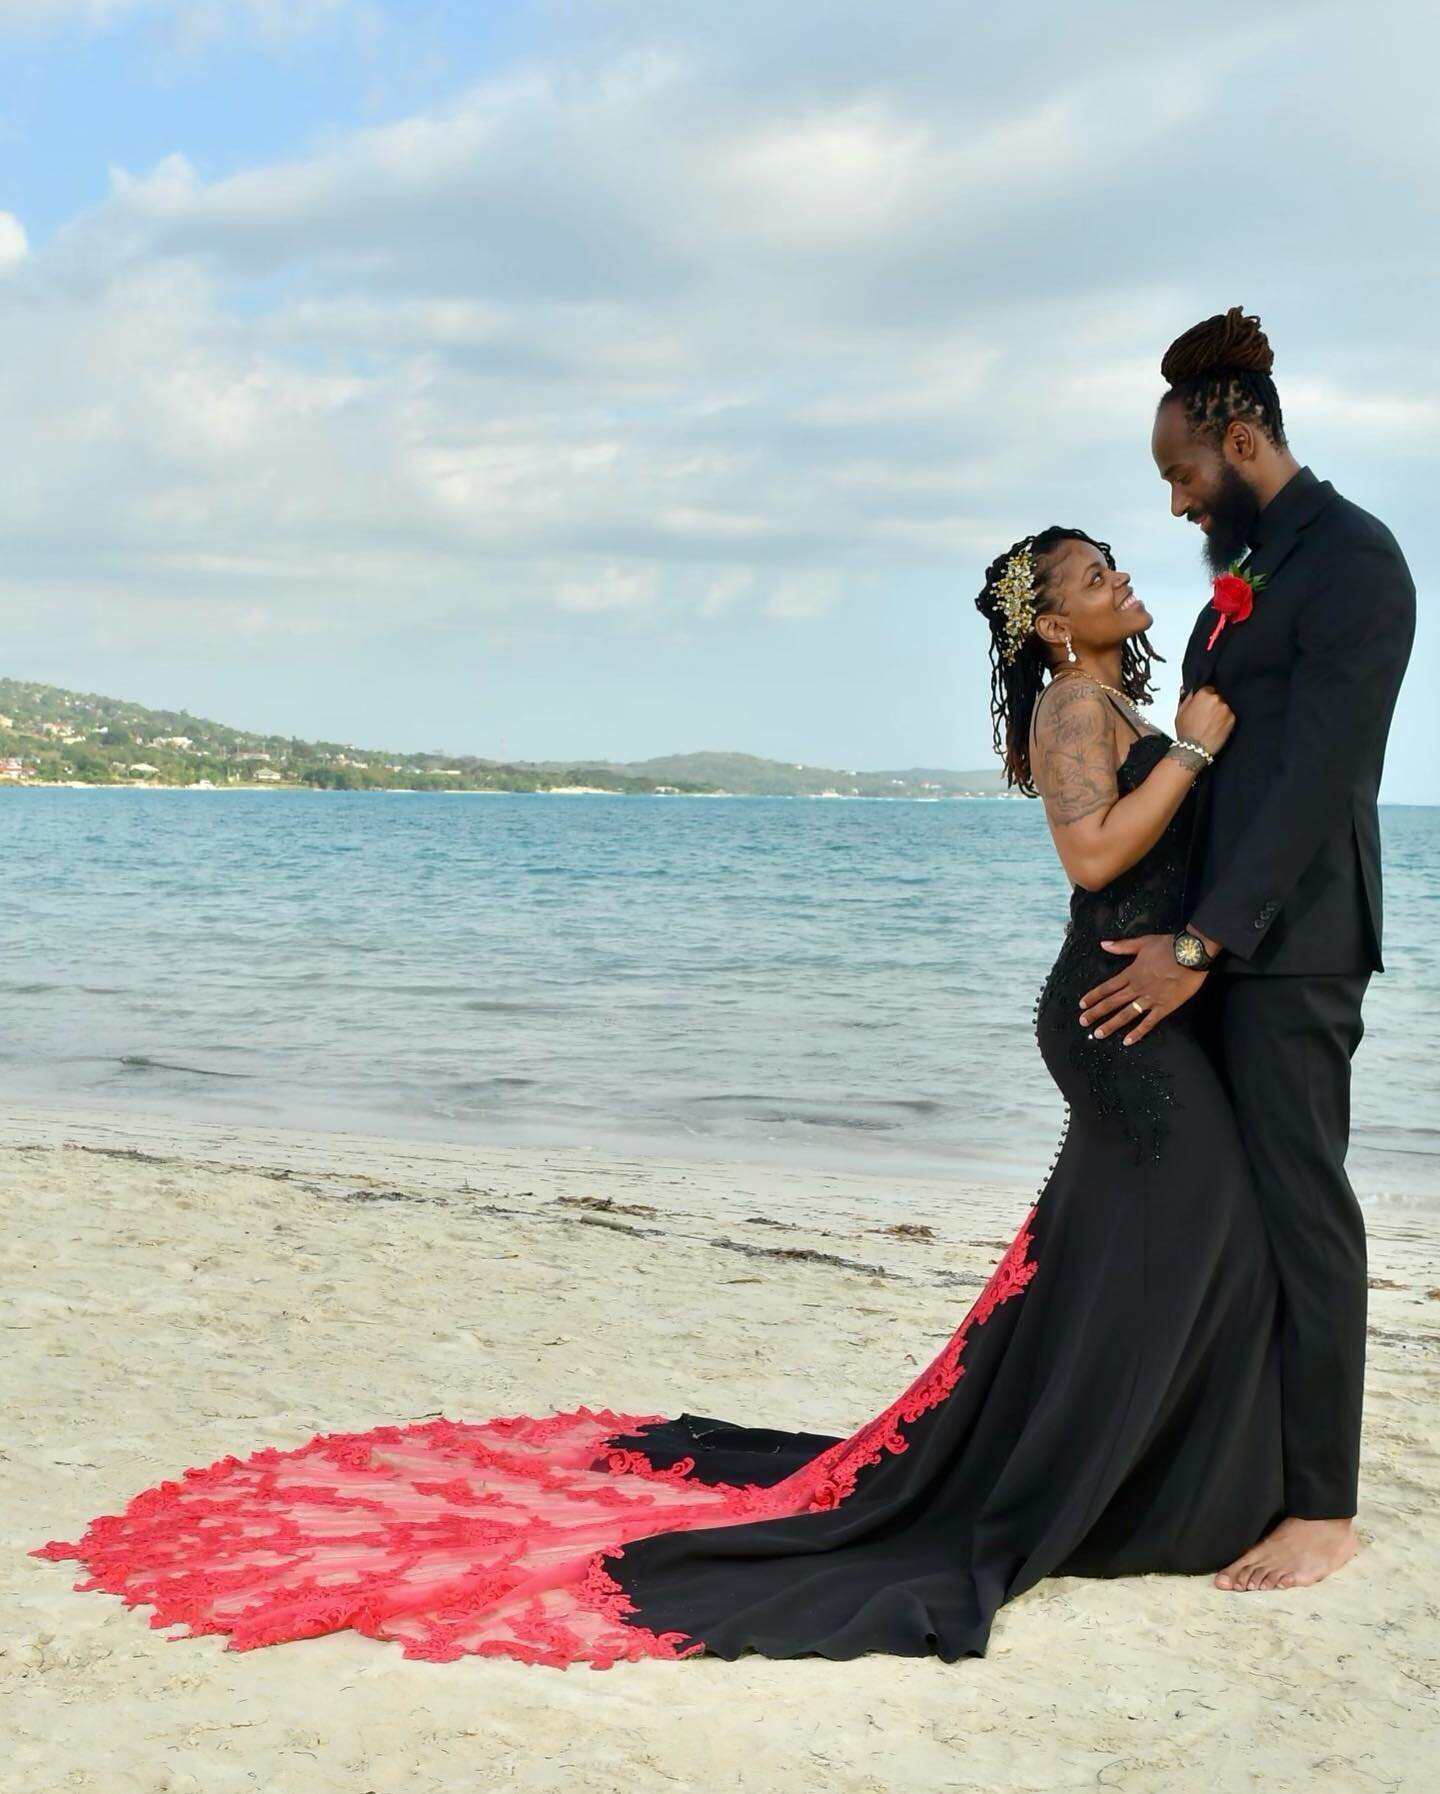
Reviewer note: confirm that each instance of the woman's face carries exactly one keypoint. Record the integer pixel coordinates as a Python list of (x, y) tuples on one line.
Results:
[(1089, 600)]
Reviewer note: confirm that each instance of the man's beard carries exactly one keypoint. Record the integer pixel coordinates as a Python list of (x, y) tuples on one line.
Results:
[(1233, 511)]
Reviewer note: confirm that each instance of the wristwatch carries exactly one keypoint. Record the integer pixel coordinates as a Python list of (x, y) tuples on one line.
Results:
[(1192, 952)]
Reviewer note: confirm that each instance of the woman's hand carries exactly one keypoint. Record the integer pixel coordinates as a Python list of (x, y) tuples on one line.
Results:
[(1204, 716)]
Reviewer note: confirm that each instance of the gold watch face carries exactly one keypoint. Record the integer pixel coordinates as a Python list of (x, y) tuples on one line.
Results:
[(1189, 950)]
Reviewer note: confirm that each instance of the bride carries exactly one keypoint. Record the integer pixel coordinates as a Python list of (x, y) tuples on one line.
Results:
[(1110, 1405)]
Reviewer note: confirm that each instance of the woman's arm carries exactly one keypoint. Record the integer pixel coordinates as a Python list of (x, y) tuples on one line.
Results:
[(1097, 832)]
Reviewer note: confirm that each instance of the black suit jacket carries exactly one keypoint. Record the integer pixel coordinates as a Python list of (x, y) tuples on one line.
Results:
[(1285, 869)]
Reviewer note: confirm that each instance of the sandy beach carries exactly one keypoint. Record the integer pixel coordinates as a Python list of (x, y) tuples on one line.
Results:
[(177, 1291)]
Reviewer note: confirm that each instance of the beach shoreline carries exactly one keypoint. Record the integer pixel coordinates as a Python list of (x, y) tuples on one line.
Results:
[(180, 1290)]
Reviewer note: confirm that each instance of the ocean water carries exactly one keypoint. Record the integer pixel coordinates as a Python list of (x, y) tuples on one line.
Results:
[(841, 983)]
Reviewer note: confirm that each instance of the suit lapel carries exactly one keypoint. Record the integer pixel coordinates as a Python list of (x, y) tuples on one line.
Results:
[(1211, 646), (1195, 650), (1263, 563)]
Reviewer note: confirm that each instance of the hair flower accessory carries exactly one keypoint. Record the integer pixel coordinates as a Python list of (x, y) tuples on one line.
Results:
[(1234, 597), (1015, 600)]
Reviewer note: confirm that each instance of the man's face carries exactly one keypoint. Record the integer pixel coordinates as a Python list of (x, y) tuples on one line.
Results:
[(1205, 488)]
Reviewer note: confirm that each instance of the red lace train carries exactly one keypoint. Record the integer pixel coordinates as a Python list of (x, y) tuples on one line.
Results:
[(456, 1539)]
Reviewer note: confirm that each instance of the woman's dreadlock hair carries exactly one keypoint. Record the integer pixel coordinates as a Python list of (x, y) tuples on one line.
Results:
[(1220, 370), (1015, 592)]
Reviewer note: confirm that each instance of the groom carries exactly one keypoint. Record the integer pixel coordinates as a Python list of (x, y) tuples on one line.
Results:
[(1284, 891)]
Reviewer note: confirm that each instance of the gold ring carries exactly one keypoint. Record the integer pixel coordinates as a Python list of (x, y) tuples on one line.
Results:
[(1137, 1006)]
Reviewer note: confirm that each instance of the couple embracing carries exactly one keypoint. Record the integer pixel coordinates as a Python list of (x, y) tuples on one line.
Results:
[(1246, 915), (1164, 1372)]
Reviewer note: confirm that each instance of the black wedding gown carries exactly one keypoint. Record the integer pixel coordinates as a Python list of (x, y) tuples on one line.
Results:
[(1110, 1405)]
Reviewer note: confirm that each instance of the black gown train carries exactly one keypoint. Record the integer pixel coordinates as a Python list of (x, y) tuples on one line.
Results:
[(1110, 1405)]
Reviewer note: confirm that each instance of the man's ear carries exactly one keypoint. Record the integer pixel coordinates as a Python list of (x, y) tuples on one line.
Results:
[(1241, 439)]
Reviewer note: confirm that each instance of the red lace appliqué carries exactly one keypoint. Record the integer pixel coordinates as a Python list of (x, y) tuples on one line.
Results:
[(457, 1539), (830, 1478)]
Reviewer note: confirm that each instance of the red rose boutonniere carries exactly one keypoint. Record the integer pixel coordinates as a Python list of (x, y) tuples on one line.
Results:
[(1234, 598)]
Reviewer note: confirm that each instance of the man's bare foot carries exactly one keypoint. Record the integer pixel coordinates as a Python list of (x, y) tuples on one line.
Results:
[(1297, 1554)]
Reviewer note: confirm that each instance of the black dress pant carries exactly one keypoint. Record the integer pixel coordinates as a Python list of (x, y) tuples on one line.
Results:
[(1287, 1043)]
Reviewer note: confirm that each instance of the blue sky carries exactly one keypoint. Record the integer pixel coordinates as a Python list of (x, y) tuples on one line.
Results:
[(613, 379)]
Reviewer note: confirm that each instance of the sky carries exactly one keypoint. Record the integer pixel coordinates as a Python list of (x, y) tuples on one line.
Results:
[(571, 380)]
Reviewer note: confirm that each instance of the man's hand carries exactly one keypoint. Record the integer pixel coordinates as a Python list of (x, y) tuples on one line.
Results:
[(1152, 979)]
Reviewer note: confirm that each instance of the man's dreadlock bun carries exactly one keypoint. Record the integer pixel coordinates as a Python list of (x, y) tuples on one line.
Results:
[(1231, 342), (1219, 371)]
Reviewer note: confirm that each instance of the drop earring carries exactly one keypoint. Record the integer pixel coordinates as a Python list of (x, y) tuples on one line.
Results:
[(1070, 653)]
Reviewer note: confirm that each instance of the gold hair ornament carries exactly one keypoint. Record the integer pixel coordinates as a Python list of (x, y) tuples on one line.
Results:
[(1015, 598)]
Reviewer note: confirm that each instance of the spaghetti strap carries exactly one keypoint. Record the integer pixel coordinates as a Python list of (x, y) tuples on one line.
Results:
[(1050, 686), (1127, 720)]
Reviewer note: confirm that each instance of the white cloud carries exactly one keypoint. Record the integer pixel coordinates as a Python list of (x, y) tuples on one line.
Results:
[(724, 592), (14, 245), (193, 22), (612, 588), (804, 597), (31, 15), (1394, 414), (687, 329), (194, 25)]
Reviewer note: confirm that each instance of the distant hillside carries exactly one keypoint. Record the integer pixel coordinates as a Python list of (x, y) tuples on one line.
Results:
[(52, 736), (748, 775)]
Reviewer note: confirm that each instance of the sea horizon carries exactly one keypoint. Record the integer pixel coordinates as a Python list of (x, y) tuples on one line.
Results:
[(850, 797)]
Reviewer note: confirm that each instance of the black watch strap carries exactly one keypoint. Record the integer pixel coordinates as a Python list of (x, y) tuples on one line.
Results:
[(1191, 951)]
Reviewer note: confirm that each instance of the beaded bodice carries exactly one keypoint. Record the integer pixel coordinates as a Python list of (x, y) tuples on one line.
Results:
[(1147, 898), (1127, 1083)]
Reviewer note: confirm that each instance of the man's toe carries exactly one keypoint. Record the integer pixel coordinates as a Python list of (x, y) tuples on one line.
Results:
[(1233, 1575)]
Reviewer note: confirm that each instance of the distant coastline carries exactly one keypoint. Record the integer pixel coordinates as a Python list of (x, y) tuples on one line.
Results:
[(50, 736), (949, 797), (35, 784)]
